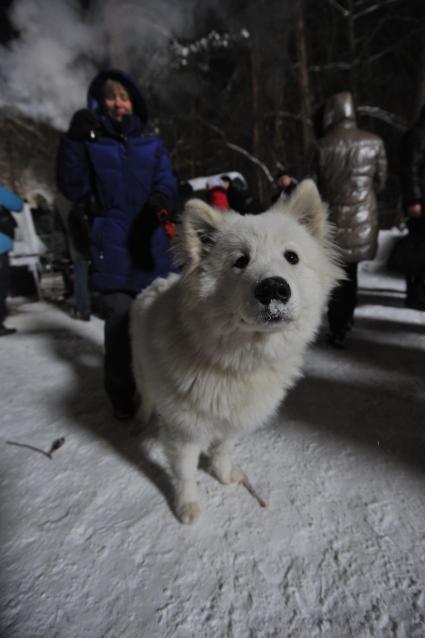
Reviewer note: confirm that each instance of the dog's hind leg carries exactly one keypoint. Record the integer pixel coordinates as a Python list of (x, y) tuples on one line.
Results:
[(221, 462), (183, 459)]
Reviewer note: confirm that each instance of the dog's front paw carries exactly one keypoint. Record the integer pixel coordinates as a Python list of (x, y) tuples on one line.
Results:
[(237, 475), (228, 474), (188, 513)]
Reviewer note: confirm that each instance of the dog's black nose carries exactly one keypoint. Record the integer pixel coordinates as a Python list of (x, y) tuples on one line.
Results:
[(272, 288)]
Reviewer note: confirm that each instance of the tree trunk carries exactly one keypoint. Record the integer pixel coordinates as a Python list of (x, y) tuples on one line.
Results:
[(279, 124), (256, 107), (195, 133), (10, 177), (419, 98), (352, 49), (303, 83)]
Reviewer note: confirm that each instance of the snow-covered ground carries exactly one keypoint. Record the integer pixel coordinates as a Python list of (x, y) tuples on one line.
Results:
[(90, 547)]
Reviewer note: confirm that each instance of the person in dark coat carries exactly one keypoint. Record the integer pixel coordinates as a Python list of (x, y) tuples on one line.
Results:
[(105, 155), (217, 194), (351, 166), (285, 185), (9, 201), (413, 192), (79, 253), (236, 191)]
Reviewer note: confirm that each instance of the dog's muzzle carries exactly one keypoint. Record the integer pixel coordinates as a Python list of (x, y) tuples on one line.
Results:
[(272, 288)]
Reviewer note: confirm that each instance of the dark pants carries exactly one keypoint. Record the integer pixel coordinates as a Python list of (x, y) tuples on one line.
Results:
[(118, 374), (343, 302), (4, 285), (415, 281), (415, 289), (416, 225)]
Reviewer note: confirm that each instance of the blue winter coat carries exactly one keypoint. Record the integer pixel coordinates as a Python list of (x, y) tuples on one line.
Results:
[(121, 169), (9, 200)]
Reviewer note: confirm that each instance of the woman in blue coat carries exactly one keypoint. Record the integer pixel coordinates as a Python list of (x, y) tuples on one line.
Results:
[(105, 158)]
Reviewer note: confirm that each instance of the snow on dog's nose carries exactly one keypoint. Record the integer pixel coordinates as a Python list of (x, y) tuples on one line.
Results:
[(272, 288)]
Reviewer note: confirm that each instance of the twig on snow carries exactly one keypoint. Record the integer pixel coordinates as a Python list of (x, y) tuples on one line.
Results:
[(57, 443), (245, 482)]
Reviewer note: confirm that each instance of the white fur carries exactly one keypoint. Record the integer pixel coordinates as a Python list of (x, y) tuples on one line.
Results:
[(210, 359)]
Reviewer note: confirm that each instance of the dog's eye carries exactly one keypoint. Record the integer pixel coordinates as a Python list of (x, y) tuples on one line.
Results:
[(241, 262), (291, 257), (206, 239)]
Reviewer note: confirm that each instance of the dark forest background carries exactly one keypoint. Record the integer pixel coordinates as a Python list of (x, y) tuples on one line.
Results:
[(243, 91)]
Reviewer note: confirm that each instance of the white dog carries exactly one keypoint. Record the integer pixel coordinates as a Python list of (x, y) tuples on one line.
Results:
[(216, 348)]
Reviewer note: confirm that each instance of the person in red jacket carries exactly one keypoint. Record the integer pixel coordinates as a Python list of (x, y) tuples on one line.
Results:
[(216, 193)]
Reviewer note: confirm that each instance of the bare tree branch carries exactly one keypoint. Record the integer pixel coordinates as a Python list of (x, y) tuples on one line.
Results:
[(397, 44), (386, 116), (238, 149), (289, 115), (21, 124), (373, 8), (345, 66), (339, 8), (371, 36), (333, 66)]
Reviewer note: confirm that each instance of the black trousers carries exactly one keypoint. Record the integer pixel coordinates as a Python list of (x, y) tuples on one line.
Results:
[(118, 373), (343, 302), (415, 282), (416, 225), (4, 285)]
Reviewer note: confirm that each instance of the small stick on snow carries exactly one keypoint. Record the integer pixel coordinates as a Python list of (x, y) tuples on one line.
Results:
[(244, 481), (29, 447), (57, 443)]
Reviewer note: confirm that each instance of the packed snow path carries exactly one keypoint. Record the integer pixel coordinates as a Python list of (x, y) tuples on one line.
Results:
[(90, 547)]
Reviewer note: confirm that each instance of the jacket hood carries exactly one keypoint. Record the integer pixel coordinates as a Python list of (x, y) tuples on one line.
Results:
[(339, 108), (94, 93)]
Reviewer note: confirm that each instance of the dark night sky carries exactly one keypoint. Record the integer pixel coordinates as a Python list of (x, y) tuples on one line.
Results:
[(7, 31)]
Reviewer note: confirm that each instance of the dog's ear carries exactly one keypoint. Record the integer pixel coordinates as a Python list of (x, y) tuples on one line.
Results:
[(305, 203), (200, 224)]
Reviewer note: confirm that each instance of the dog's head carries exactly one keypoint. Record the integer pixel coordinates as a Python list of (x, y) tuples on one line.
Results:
[(259, 272)]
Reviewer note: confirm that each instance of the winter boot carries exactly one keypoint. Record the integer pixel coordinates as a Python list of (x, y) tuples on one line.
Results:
[(5, 332)]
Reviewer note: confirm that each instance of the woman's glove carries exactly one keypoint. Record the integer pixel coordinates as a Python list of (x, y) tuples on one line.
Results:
[(155, 213), (167, 223), (83, 127)]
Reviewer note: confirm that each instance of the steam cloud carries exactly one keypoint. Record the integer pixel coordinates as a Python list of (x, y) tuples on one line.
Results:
[(46, 70)]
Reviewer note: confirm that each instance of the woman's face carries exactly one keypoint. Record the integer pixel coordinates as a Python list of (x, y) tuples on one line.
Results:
[(116, 100)]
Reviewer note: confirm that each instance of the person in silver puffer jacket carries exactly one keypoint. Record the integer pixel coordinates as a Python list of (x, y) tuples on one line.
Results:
[(351, 165)]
